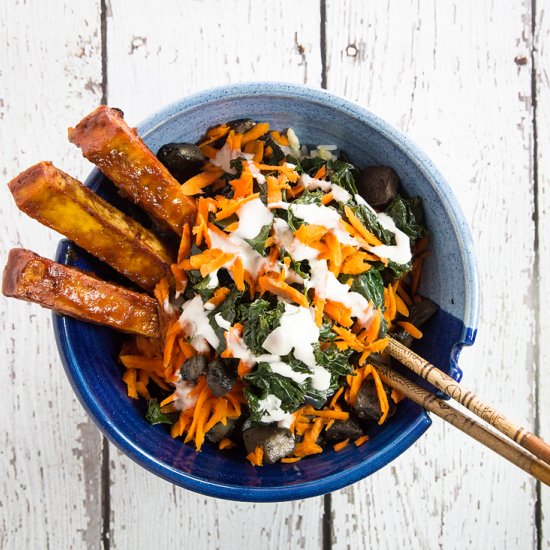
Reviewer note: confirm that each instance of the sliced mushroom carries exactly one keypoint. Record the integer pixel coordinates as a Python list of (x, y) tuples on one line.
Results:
[(378, 185), (220, 378), (275, 442)]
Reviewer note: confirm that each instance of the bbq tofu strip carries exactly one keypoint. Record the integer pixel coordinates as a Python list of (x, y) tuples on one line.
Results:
[(61, 202), (108, 142), (28, 276)]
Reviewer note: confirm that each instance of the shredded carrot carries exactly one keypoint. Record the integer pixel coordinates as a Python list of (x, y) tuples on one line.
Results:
[(226, 443), (339, 313), (356, 223), (311, 234), (337, 415), (215, 133), (411, 329), (326, 199), (382, 397), (342, 445), (196, 184), (360, 440), (319, 304), (396, 396), (347, 339), (282, 289), (336, 396), (130, 378), (274, 194), (403, 294), (219, 296), (356, 263), (256, 132), (401, 305), (320, 174), (290, 460), (243, 369), (237, 270), (256, 457), (231, 206)]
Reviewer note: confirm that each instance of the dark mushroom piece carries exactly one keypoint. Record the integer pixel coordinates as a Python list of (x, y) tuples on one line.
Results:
[(344, 429), (183, 160), (275, 442), (419, 314), (241, 125), (219, 431), (378, 185), (367, 405), (193, 367), (220, 378)]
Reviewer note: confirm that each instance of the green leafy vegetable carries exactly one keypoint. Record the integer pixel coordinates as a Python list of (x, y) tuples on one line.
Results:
[(155, 416), (408, 215), (370, 221), (370, 285), (259, 318), (258, 242), (228, 310)]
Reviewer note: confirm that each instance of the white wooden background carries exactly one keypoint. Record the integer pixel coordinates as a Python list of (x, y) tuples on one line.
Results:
[(467, 80)]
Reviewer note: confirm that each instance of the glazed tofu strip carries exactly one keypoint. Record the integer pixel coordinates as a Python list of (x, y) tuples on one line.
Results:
[(61, 202), (67, 290), (108, 142)]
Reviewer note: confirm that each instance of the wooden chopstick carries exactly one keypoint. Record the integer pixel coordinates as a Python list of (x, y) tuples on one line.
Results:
[(500, 445), (470, 400)]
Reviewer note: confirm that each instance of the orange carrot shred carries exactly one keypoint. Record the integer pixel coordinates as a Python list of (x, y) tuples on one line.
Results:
[(360, 440), (341, 445), (256, 132), (411, 329)]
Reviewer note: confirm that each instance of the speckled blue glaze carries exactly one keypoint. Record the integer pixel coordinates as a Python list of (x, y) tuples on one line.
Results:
[(89, 353)]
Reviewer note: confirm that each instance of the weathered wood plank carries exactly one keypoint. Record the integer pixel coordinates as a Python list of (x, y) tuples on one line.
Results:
[(542, 71), (49, 450), (156, 56), (456, 77)]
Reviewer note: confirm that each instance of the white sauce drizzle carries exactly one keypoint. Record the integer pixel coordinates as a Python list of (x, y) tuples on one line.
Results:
[(340, 194), (222, 323), (253, 215), (223, 158), (399, 253), (298, 332), (252, 260), (256, 173), (312, 183), (183, 400), (196, 326), (272, 407)]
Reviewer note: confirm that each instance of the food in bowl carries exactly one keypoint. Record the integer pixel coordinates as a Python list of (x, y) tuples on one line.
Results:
[(274, 313)]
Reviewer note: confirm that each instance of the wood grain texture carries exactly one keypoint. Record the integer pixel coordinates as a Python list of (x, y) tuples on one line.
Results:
[(456, 77), (156, 57), (49, 449), (542, 87)]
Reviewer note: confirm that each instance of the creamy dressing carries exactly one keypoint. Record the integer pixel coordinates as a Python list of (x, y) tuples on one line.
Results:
[(223, 158), (272, 407), (327, 286), (312, 183), (399, 253), (183, 400), (252, 260), (298, 332), (285, 238), (284, 369), (340, 194), (196, 326), (256, 173), (222, 323), (253, 215)]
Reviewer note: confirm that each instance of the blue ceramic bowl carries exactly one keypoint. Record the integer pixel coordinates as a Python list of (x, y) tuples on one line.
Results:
[(89, 353)]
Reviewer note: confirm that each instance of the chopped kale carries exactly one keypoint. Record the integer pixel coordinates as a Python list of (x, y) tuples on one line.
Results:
[(259, 318), (155, 416), (371, 285), (258, 242), (408, 215)]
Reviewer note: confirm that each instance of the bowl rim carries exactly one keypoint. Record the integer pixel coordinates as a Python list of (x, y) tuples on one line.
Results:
[(405, 438)]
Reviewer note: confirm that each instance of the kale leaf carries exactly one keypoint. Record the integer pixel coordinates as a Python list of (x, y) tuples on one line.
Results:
[(370, 285), (408, 215), (258, 242), (259, 318), (370, 221), (342, 173), (155, 416), (228, 310)]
